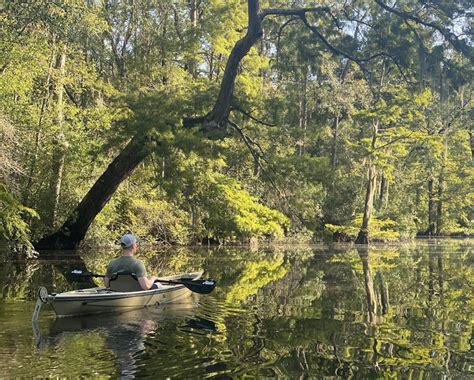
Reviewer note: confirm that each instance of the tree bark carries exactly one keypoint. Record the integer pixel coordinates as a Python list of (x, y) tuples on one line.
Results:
[(59, 141), (75, 227), (192, 64), (363, 235), (335, 136), (220, 111), (439, 207), (382, 190), (431, 213), (303, 111)]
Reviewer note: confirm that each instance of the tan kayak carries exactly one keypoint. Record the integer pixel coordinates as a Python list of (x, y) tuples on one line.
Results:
[(102, 300)]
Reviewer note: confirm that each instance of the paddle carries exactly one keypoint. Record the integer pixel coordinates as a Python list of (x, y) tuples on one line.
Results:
[(198, 286)]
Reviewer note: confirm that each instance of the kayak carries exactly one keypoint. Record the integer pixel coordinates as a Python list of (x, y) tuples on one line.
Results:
[(104, 300)]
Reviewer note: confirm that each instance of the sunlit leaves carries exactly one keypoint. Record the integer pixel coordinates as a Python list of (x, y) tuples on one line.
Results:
[(254, 277)]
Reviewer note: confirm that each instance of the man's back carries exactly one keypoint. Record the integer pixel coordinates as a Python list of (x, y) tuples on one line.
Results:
[(126, 264)]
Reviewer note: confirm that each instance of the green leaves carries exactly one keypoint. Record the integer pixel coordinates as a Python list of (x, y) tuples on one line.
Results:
[(234, 213), (379, 229), (14, 227), (314, 116)]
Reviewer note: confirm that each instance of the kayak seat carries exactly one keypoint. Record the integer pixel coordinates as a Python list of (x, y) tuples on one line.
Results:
[(124, 282)]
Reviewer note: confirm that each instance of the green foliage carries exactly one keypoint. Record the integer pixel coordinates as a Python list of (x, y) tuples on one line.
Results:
[(379, 229), (13, 220), (156, 221), (142, 67), (255, 276), (234, 213)]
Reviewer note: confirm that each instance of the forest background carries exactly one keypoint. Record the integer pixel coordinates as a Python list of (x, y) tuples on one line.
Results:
[(209, 121)]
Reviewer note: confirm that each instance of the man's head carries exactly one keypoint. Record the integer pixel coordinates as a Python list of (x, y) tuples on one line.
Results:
[(128, 242)]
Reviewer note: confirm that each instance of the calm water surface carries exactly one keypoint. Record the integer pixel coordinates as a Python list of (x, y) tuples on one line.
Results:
[(402, 311)]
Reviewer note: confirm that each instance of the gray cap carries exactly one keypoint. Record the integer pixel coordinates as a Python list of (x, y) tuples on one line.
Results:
[(128, 240)]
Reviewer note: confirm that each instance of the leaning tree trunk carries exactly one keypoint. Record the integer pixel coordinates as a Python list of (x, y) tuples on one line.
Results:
[(75, 227)]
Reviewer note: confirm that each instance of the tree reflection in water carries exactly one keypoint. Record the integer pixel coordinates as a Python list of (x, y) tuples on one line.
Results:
[(297, 312), (123, 334)]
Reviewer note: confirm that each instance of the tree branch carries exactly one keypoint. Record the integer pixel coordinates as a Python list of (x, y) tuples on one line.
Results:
[(358, 60), (446, 33), (292, 11), (220, 111), (280, 31), (250, 116), (258, 156)]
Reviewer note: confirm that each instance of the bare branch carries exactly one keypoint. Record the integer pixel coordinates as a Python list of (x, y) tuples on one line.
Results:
[(249, 143), (250, 116), (292, 11), (391, 142), (280, 31), (258, 156), (189, 122), (359, 61), (446, 33)]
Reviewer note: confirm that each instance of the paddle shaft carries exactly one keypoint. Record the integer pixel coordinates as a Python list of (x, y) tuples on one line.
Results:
[(197, 286)]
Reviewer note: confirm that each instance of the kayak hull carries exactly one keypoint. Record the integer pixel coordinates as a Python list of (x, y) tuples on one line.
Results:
[(103, 300)]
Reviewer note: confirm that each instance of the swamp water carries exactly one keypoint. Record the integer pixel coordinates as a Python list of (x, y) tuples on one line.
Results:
[(402, 311)]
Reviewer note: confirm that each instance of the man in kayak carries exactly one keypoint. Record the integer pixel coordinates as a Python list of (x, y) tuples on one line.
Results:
[(128, 263)]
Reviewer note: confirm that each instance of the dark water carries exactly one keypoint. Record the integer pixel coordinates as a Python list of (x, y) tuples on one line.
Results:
[(402, 311)]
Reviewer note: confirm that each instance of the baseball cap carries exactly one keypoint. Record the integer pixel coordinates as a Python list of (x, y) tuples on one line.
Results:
[(128, 240)]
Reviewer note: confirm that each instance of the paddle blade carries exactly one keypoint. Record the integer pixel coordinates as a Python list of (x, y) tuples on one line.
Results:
[(78, 275), (197, 286), (200, 286)]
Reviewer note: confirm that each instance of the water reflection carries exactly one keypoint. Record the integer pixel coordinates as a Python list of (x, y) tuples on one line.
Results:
[(392, 311), (124, 335)]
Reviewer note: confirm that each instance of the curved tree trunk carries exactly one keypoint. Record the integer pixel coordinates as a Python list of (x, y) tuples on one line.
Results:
[(75, 227)]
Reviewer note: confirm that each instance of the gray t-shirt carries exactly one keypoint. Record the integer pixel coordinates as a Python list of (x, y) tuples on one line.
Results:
[(126, 264)]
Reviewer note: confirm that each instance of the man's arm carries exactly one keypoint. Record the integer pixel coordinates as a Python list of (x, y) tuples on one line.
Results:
[(146, 283)]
